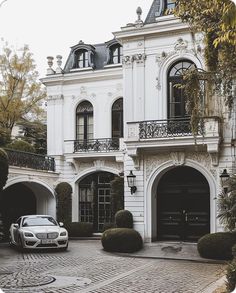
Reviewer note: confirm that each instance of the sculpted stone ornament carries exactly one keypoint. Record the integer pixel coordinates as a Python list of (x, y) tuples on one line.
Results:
[(50, 64), (178, 158), (139, 58), (59, 62), (127, 60), (139, 22), (181, 45)]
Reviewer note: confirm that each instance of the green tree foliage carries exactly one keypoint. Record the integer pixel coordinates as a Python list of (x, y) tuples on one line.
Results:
[(5, 136), (3, 168), (36, 135), (216, 19), (20, 92), (227, 205)]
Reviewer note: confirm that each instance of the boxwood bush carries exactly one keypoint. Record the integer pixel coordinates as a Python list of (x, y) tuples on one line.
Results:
[(64, 203), (217, 245), (124, 219), (121, 240), (79, 229)]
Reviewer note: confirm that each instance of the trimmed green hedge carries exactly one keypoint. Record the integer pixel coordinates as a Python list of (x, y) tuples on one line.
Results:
[(217, 245), (3, 168), (64, 203), (21, 145), (79, 229), (121, 240), (124, 219)]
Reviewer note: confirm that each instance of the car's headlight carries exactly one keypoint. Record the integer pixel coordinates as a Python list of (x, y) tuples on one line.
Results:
[(63, 233), (28, 234)]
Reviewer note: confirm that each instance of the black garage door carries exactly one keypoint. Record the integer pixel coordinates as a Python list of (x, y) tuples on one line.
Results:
[(183, 205)]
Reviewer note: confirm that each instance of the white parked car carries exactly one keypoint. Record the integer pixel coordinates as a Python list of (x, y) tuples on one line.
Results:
[(38, 231)]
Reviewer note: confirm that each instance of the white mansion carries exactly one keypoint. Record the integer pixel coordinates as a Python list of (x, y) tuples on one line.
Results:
[(114, 108)]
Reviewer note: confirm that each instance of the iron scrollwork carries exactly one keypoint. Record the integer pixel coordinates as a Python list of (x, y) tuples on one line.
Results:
[(30, 160), (96, 145), (165, 128)]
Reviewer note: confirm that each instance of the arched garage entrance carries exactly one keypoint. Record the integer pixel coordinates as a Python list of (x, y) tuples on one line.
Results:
[(183, 205), (25, 198)]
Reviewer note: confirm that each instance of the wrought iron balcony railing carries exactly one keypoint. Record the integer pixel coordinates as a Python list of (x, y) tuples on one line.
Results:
[(30, 160), (96, 145), (166, 128)]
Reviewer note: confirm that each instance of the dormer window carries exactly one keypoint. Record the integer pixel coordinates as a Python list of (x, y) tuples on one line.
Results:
[(83, 59), (116, 54)]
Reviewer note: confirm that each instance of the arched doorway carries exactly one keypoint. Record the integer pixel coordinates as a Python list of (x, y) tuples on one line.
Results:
[(183, 205), (25, 198), (95, 202)]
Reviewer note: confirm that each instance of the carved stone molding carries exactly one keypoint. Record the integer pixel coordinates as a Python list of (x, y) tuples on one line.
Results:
[(83, 90), (55, 97), (178, 158), (214, 159), (139, 58), (127, 60), (98, 164), (181, 45), (153, 162)]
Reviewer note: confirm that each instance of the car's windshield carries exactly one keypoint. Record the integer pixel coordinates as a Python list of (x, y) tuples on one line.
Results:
[(39, 221)]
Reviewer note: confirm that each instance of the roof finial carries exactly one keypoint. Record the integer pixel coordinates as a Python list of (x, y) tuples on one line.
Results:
[(139, 22)]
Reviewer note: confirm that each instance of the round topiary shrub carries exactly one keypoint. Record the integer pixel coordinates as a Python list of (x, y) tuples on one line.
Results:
[(64, 203), (3, 168), (217, 245), (121, 240), (124, 219), (79, 229)]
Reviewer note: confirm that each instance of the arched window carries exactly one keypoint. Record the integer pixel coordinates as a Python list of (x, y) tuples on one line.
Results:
[(116, 52), (82, 59), (84, 121), (117, 118), (176, 99)]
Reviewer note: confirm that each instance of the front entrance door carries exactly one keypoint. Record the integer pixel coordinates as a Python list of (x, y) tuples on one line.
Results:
[(183, 205), (95, 200)]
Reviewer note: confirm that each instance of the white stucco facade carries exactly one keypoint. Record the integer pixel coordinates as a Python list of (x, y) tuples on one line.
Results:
[(149, 51)]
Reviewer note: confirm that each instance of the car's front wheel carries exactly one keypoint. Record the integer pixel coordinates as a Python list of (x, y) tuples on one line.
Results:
[(20, 244)]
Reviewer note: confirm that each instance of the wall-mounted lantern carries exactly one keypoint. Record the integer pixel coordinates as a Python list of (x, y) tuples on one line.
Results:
[(224, 176), (131, 182)]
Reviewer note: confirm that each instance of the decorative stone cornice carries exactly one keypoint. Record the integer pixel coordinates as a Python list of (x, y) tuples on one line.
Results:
[(55, 97)]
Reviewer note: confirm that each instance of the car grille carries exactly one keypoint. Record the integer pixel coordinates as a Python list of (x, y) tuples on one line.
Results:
[(53, 235)]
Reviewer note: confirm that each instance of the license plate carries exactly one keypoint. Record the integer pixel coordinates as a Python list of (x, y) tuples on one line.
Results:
[(47, 241)]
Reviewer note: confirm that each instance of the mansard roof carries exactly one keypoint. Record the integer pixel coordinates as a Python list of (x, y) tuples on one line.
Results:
[(156, 10), (100, 53)]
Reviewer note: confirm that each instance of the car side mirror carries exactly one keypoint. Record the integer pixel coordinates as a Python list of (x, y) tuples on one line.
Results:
[(16, 226), (61, 224)]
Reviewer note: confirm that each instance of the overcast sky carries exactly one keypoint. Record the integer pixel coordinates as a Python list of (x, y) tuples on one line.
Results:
[(51, 27)]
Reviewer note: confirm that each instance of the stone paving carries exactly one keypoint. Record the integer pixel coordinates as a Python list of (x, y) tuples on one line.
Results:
[(85, 267)]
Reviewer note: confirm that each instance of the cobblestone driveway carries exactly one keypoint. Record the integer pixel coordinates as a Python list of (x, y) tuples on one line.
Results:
[(85, 267)]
